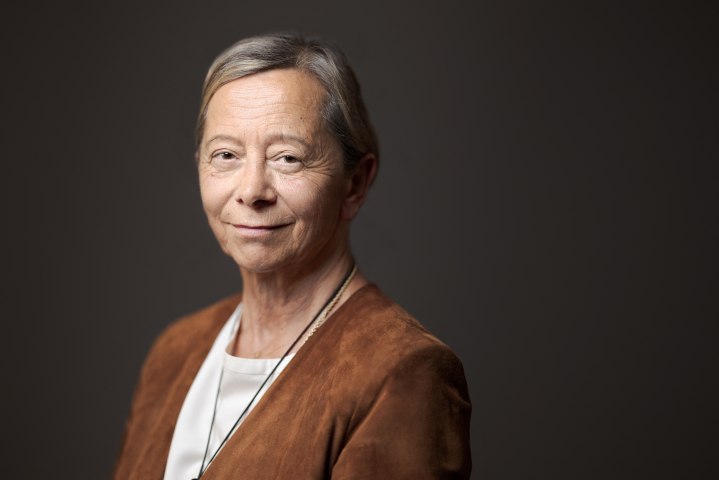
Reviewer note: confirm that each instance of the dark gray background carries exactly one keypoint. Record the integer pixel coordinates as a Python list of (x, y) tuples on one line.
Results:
[(546, 205)]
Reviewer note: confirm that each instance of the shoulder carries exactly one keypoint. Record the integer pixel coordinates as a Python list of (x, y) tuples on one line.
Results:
[(197, 330), (385, 332), (380, 342)]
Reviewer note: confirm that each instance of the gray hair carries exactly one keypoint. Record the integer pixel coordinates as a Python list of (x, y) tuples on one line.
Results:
[(343, 113)]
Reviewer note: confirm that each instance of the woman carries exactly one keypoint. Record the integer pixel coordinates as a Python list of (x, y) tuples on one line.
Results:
[(311, 372)]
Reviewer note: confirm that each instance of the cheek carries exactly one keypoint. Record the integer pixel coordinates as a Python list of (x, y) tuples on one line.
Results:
[(213, 199), (214, 194), (317, 208)]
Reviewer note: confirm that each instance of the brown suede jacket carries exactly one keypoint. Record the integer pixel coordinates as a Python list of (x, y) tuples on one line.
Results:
[(372, 395)]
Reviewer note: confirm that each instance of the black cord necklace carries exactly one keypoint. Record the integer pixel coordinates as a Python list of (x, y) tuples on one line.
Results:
[(204, 468)]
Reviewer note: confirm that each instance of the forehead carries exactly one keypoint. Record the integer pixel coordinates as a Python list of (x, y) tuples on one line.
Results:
[(287, 98)]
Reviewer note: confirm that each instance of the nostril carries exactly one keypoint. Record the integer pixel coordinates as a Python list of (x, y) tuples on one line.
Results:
[(258, 202)]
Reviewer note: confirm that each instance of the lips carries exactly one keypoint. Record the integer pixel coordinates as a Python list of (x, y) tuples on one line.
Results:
[(257, 230), (260, 227)]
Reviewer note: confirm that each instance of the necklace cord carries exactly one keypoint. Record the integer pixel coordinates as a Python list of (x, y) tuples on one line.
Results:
[(333, 300)]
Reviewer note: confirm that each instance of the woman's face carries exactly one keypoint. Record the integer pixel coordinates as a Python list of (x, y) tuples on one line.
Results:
[(271, 177)]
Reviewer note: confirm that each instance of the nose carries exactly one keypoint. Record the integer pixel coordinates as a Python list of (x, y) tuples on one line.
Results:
[(255, 189)]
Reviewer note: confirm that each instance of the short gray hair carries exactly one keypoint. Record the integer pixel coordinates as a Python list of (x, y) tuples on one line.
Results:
[(344, 113)]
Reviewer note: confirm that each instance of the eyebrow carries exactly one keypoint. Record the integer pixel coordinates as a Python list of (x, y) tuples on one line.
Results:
[(222, 137), (272, 138)]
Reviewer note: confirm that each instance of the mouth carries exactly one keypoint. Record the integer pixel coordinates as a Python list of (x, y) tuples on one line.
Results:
[(257, 230)]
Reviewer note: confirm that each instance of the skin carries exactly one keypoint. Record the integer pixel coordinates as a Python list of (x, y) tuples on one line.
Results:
[(279, 203)]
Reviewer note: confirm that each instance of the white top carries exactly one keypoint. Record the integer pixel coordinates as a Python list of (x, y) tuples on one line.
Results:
[(241, 378)]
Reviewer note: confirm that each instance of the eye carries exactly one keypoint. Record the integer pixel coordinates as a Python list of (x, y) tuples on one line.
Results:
[(286, 163), (224, 160)]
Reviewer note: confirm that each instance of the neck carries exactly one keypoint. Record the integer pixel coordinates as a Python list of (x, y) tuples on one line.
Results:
[(267, 297), (278, 305)]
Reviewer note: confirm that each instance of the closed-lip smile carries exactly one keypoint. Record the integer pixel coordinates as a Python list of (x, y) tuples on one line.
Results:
[(258, 227), (257, 230)]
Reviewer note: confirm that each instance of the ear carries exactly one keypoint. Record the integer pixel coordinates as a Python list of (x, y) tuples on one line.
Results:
[(197, 157), (359, 185)]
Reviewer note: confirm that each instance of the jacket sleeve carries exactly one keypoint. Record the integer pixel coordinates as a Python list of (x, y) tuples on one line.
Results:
[(411, 424)]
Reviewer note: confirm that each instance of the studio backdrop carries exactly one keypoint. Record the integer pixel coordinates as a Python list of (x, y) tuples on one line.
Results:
[(546, 205)]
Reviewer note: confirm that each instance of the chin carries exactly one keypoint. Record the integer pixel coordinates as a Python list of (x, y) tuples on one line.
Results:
[(258, 257), (258, 261), (258, 267)]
